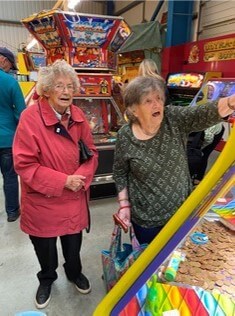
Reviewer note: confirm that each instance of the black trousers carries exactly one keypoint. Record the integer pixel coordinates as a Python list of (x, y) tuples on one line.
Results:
[(46, 251), (146, 235), (206, 153)]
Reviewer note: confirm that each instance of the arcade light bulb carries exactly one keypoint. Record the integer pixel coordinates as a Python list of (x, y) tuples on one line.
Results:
[(31, 44), (72, 4)]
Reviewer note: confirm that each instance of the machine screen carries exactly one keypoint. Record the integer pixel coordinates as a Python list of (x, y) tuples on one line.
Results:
[(189, 80), (183, 86), (213, 90)]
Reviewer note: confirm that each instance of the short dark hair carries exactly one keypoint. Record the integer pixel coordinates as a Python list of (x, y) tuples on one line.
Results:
[(137, 89), (10, 56), (141, 86)]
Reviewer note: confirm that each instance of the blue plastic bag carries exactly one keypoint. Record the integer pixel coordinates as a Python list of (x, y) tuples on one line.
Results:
[(117, 260)]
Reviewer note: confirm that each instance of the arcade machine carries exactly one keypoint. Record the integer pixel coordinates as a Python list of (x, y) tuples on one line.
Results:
[(89, 43), (28, 65), (212, 90), (183, 86)]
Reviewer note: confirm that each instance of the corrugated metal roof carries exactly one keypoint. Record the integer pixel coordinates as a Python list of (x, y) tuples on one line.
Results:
[(12, 36), (12, 32), (17, 10)]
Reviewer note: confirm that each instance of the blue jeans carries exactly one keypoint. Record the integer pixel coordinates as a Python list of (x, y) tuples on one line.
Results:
[(10, 182)]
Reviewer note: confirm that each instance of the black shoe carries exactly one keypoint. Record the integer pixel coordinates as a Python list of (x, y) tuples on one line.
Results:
[(13, 217), (43, 296), (82, 284)]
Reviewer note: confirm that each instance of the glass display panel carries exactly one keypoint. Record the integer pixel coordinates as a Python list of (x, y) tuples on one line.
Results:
[(102, 118), (202, 267)]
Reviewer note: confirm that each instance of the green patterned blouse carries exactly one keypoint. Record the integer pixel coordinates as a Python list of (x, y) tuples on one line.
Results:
[(155, 171)]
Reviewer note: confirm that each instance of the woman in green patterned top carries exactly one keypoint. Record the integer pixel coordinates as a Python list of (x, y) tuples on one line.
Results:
[(150, 166)]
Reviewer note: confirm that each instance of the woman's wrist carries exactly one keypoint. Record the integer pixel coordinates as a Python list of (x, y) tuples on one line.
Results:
[(122, 207), (123, 202), (123, 199)]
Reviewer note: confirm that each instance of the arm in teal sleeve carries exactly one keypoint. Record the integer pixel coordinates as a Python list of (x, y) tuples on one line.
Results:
[(18, 101)]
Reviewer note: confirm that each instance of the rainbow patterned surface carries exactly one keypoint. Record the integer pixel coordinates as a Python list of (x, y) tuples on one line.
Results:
[(154, 298), (226, 210)]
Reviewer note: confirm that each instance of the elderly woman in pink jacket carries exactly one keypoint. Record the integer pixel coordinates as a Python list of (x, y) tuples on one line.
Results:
[(55, 184)]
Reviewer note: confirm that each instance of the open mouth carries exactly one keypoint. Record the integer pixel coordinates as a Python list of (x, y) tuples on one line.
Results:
[(156, 114)]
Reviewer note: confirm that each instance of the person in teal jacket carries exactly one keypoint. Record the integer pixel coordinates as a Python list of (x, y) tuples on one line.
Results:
[(12, 103)]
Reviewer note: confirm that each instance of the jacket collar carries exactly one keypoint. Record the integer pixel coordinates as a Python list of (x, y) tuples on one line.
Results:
[(48, 115)]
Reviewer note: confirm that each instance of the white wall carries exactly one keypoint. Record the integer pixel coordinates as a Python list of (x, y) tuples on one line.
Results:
[(11, 33), (216, 18), (133, 16)]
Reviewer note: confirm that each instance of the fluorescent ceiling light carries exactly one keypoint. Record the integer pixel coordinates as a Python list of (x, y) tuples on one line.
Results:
[(31, 44)]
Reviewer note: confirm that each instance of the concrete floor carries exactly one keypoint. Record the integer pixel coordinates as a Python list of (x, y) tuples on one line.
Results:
[(18, 266)]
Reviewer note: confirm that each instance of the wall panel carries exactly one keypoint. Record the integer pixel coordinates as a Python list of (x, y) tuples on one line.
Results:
[(92, 7), (11, 13), (217, 18), (12, 36), (17, 10), (134, 16), (140, 13)]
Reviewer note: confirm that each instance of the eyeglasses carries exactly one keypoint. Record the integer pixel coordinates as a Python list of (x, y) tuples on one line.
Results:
[(61, 87)]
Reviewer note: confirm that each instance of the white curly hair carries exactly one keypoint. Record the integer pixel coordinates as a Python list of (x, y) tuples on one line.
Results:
[(47, 76)]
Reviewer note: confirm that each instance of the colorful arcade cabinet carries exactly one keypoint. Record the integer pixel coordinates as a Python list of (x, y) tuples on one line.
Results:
[(89, 43), (183, 86)]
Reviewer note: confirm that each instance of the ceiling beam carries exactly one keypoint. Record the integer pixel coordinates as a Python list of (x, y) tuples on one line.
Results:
[(129, 7), (2, 21)]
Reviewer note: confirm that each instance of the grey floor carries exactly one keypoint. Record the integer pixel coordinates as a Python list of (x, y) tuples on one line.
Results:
[(18, 265)]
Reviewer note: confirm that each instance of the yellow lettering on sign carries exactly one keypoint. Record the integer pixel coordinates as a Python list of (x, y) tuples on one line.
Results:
[(220, 55), (227, 43)]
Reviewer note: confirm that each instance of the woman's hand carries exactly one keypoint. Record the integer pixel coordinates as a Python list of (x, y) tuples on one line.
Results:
[(75, 182), (124, 214), (122, 218), (226, 106)]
